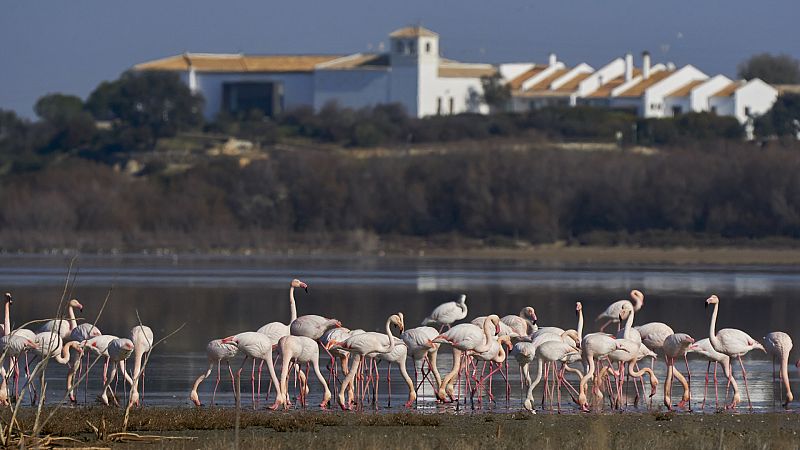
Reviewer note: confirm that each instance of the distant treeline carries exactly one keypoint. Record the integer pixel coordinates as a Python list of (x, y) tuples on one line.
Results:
[(495, 194)]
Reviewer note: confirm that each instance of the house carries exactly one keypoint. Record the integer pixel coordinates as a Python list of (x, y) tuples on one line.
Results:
[(651, 91), (412, 73)]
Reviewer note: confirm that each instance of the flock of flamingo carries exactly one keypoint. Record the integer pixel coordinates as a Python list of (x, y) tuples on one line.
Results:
[(602, 359), (64, 341)]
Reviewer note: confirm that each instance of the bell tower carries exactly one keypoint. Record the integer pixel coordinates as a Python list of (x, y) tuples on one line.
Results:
[(414, 58)]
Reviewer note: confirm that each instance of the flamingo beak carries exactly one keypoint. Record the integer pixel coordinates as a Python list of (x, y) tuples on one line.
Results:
[(304, 286)]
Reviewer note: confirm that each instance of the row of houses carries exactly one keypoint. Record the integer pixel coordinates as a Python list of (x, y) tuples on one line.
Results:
[(414, 74)]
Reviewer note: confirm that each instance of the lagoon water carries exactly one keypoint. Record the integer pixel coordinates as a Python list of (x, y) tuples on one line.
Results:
[(217, 296)]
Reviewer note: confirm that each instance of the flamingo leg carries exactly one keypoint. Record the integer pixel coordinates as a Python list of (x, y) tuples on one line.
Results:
[(746, 388)]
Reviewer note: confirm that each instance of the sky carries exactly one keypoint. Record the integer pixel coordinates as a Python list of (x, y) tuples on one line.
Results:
[(70, 47)]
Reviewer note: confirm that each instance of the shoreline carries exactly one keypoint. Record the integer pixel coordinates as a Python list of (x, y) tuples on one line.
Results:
[(545, 255)]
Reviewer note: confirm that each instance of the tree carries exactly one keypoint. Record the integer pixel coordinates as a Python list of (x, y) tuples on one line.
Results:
[(778, 69), (496, 94), (155, 104), (781, 119), (58, 108)]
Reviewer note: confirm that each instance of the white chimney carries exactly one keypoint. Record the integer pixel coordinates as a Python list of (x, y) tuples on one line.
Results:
[(628, 67), (552, 60), (646, 65)]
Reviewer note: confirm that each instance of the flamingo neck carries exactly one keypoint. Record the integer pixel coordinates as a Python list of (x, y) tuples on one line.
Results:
[(292, 306), (628, 325), (63, 357), (580, 325), (389, 333), (785, 376), (488, 334), (73, 323), (7, 320), (712, 333)]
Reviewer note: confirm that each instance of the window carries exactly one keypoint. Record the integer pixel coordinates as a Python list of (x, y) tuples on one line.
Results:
[(438, 106), (747, 111), (452, 105), (411, 47), (427, 47), (676, 110)]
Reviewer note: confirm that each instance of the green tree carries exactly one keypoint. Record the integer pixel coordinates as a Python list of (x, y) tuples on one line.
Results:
[(154, 104), (776, 69), (58, 108), (780, 119), (496, 94)]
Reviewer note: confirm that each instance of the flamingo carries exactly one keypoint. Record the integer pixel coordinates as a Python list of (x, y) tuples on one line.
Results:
[(495, 355), (505, 329), (217, 352), (779, 344), (142, 338), (465, 338), (118, 351), (366, 344), (80, 333), (419, 342), (733, 343), (298, 349), (523, 323), (50, 345), (99, 345), (277, 330), (12, 346), (706, 351), (631, 352), (63, 327), (550, 352), (447, 313), (593, 347), (611, 314), (398, 355), (676, 346), (339, 334), (254, 345)]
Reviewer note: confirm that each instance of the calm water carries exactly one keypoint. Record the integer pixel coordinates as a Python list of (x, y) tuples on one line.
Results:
[(217, 296)]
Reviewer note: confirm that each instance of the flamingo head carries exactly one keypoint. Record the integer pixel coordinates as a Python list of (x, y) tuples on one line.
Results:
[(127, 345), (627, 309), (333, 323), (230, 340), (578, 308), (9, 299), (494, 319), (397, 320), (299, 284), (713, 300), (638, 299), (95, 332), (76, 304), (529, 313), (619, 346), (687, 340), (693, 348)]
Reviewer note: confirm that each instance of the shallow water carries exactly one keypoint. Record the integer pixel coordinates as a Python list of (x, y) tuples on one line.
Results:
[(220, 296)]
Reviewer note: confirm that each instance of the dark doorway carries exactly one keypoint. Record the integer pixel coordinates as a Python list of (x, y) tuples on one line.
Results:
[(242, 97)]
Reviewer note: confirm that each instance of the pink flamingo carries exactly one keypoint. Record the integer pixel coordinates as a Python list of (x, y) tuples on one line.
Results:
[(423, 350), (733, 343), (522, 324), (465, 338), (496, 354), (676, 346), (12, 346), (447, 313), (80, 333), (398, 355), (256, 346), (118, 351), (779, 344), (298, 349), (549, 353), (339, 335), (63, 327), (611, 314), (593, 347), (706, 351), (217, 352), (366, 344), (142, 338), (505, 329)]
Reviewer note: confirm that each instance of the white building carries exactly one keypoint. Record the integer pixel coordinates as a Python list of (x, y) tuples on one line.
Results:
[(652, 91), (412, 73)]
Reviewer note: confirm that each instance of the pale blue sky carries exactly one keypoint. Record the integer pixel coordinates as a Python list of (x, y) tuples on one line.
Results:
[(71, 46)]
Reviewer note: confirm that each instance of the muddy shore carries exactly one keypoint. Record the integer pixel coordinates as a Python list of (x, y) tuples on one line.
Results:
[(215, 428)]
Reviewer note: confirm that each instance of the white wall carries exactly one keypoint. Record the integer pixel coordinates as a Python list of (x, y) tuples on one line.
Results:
[(403, 88), (671, 102), (465, 92), (298, 88), (756, 95), (653, 104), (722, 106), (603, 75), (351, 88), (512, 70), (699, 97), (567, 77)]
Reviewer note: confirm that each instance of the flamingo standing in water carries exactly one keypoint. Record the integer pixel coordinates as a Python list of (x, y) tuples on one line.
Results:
[(733, 343), (254, 345), (465, 338), (298, 349), (447, 313), (593, 347), (50, 346), (611, 314), (522, 324), (118, 350), (676, 346), (632, 350), (706, 351), (398, 355), (12, 346), (779, 344), (80, 333), (364, 344), (549, 353), (142, 338), (339, 335), (423, 351), (217, 352)]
